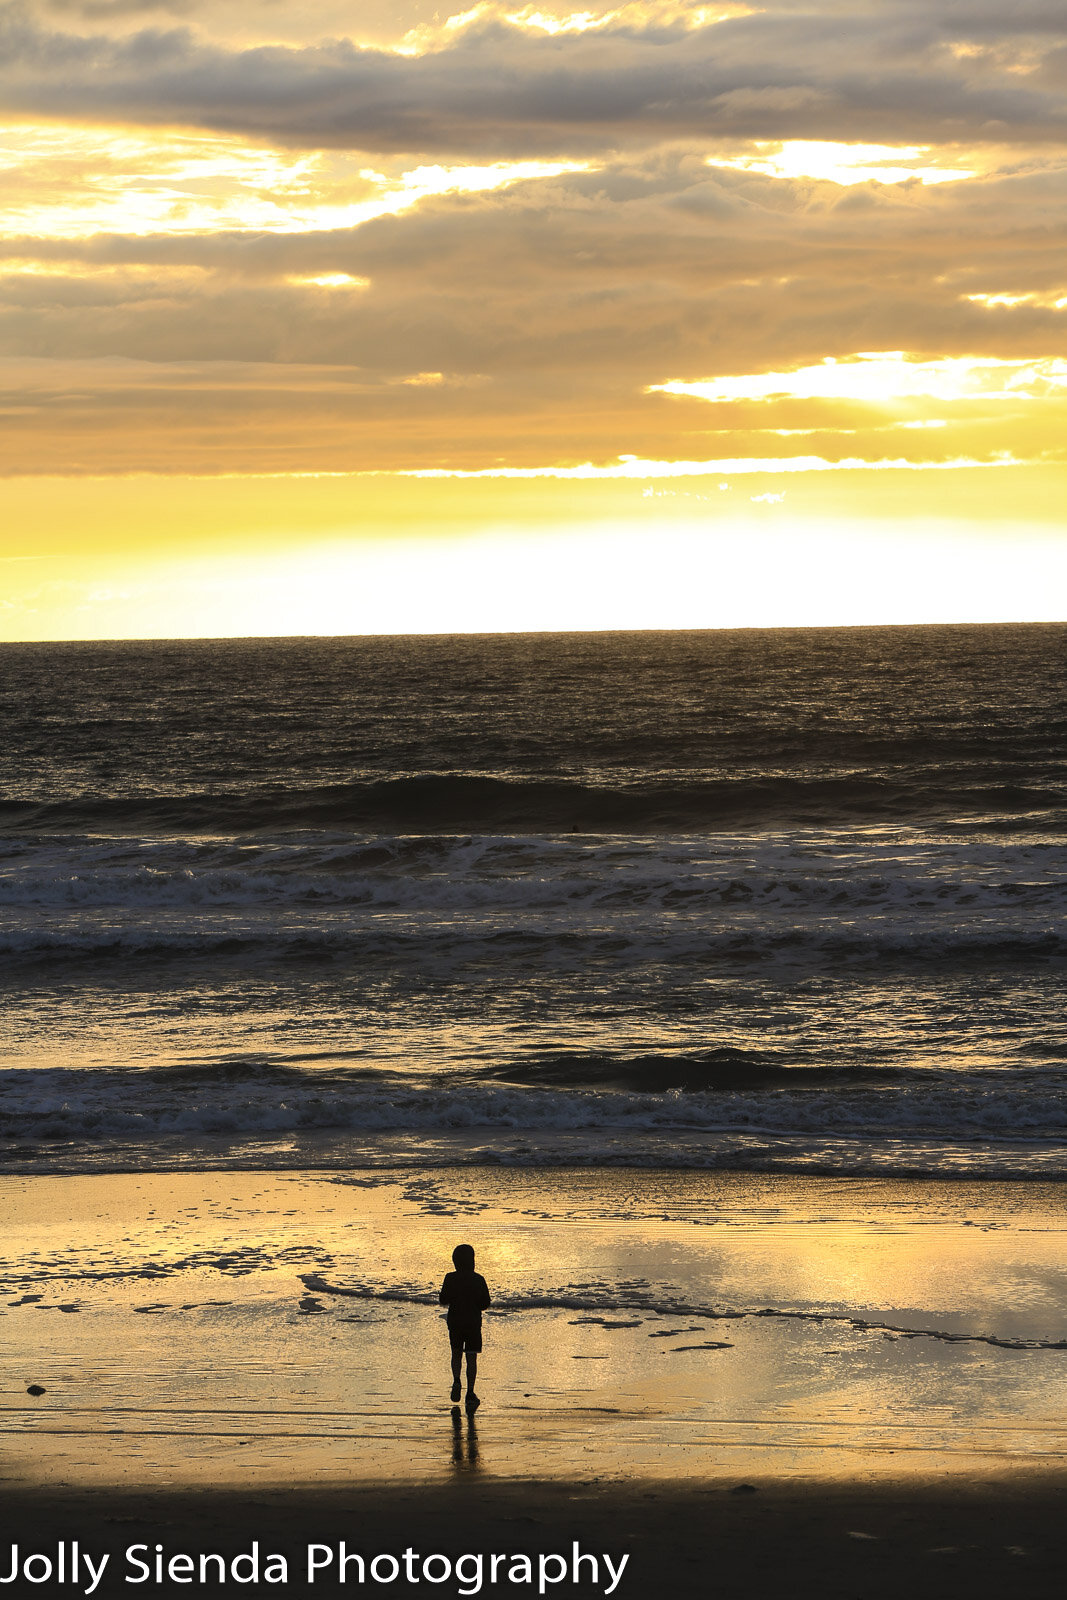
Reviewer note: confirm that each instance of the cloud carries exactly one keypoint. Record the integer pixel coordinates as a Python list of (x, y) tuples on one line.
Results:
[(256, 293), (554, 309), (495, 88), (102, 10), (633, 467), (879, 376), (85, 181), (635, 275)]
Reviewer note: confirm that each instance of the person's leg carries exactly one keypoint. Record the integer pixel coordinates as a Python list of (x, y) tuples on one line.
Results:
[(472, 1370), (457, 1364)]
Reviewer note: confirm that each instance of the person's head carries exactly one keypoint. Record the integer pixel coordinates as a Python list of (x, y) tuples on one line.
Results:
[(463, 1258)]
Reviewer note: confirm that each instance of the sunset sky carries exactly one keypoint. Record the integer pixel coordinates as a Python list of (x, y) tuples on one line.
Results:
[(376, 317)]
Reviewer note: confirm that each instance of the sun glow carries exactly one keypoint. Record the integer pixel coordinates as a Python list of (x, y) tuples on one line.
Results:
[(844, 164), (883, 376), (71, 183), (328, 280), (760, 568), (636, 468), (567, 264), (1056, 301), (638, 14)]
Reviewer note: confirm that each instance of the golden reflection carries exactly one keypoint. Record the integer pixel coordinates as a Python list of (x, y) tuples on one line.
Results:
[(866, 1311), (466, 1453)]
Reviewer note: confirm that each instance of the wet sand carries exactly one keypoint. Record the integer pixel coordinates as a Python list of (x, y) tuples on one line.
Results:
[(236, 1356)]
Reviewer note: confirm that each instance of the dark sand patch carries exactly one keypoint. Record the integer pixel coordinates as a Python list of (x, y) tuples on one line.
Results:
[(926, 1538)]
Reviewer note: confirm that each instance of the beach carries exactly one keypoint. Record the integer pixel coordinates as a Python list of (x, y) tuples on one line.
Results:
[(533, 753), (710, 986), (684, 1364)]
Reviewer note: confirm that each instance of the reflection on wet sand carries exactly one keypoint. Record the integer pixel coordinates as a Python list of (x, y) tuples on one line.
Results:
[(238, 1327), (465, 1453)]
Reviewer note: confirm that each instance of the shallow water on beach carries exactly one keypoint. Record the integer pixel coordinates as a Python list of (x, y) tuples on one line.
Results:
[(241, 1325)]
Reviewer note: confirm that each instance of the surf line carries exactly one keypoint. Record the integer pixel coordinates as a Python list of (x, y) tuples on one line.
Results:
[(314, 1281)]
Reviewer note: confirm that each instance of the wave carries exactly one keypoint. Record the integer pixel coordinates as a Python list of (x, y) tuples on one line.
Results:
[(433, 902), (52, 1105), (614, 1299), (781, 873), (413, 958), (727, 1067), (447, 802)]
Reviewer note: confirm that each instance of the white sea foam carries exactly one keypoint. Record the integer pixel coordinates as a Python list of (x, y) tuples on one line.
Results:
[(747, 898), (54, 1106), (790, 874)]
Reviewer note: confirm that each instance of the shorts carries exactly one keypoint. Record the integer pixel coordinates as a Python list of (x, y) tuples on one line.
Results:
[(465, 1336)]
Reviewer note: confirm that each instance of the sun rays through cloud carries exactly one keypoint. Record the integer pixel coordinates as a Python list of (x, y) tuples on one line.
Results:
[(504, 254)]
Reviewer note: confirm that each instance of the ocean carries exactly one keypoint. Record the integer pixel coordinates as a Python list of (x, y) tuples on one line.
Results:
[(765, 900)]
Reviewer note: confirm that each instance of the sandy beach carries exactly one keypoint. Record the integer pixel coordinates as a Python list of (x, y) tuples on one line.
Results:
[(723, 1375)]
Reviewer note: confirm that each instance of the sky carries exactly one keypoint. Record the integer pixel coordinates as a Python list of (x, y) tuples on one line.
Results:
[(386, 317)]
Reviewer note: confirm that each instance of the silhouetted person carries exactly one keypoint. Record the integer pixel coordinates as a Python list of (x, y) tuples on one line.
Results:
[(466, 1295)]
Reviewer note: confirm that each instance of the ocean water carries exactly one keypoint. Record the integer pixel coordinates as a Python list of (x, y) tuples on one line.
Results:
[(770, 900)]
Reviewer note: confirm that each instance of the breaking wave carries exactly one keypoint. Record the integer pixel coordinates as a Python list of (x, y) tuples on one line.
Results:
[(54, 1105)]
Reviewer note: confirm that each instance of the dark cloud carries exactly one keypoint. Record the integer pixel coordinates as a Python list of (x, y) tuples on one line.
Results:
[(105, 10), (963, 18), (500, 90)]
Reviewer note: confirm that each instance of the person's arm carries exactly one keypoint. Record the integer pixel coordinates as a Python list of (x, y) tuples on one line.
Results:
[(445, 1297), (485, 1300)]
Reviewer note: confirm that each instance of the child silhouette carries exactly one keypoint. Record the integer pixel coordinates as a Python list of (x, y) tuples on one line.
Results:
[(466, 1295)]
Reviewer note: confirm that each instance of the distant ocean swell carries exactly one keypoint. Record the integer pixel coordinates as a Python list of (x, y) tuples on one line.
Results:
[(437, 802)]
